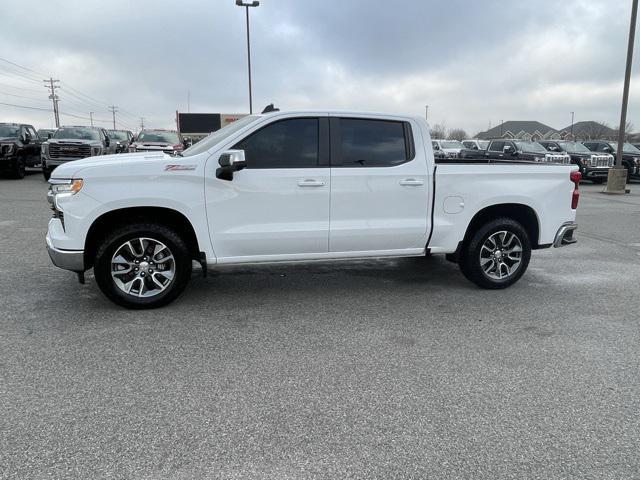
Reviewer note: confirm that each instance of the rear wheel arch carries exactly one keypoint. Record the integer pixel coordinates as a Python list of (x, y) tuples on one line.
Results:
[(114, 219), (523, 214)]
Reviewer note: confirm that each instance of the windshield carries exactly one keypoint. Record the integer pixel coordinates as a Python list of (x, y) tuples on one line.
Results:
[(573, 147), (77, 133), (219, 135), (164, 137), (451, 144), (9, 131), (531, 147), (483, 144), (118, 134), (628, 148)]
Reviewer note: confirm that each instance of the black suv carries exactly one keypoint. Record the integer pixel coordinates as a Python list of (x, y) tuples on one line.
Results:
[(122, 139), (593, 166), (630, 154), (19, 148)]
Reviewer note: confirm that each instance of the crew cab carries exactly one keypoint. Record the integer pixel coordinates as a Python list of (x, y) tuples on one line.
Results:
[(523, 150), (301, 186), (630, 154), (71, 143), (475, 144), (593, 166), (19, 148), (168, 141), (450, 148)]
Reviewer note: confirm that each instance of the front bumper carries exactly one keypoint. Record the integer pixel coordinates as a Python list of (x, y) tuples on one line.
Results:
[(565, 235), (591, 172), (66, 259)]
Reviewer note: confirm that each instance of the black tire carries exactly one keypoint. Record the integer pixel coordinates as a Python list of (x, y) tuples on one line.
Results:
[(46, 173), (470, 256), (19, 169), (171, 239), (598, 181)]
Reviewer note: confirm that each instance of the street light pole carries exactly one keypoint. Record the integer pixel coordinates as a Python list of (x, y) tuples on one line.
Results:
[(241, 3), (572, 114), (426, 113), (617, 179)]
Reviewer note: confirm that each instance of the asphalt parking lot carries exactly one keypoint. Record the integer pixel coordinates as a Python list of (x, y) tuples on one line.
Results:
[(377, 369)]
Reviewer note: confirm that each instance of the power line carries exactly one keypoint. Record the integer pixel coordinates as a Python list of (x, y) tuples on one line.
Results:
[(21, 66), (24, 106)]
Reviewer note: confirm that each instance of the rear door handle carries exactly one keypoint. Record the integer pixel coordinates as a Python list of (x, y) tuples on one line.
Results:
[(411, 182), (310, 182)]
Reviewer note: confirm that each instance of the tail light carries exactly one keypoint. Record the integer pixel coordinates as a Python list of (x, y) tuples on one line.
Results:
[(575, 177)]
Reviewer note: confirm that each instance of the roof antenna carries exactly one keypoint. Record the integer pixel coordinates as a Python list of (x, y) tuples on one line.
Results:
[(270, 108)]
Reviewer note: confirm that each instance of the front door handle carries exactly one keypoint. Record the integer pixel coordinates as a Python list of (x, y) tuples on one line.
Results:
[(411, 182), (310, 182)]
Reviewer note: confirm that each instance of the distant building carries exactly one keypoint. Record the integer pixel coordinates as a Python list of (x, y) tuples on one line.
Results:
[(589, 131), (524, 130), (196, 126)]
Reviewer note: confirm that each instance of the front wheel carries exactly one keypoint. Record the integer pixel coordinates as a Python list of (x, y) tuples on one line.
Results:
[(19, 169), (142, 266), (46, 173), (497, 254)]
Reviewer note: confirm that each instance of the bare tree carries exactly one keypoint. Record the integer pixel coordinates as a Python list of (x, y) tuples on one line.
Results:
[(439, 130), (593, 131), (627, 131), (457, 134)]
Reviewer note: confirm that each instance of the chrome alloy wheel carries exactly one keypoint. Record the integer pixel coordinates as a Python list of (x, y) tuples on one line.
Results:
[(500, 255), (143, 267)]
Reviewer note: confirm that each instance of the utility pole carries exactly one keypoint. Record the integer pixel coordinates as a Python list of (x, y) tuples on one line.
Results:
[(50, 84), (255, 3), (426, 113), (188, 101), (617, 179), (141, 123), (113, 110), (91, 118), (572, 138)]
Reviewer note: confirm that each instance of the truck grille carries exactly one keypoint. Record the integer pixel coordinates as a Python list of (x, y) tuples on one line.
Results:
[(563, 159), (69, 150), (601, 161)]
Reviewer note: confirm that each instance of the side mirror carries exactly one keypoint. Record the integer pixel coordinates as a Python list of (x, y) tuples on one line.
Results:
[(608, 149), (230, 161), (26, 138), (107, 142), (49, 135), (185, 143)]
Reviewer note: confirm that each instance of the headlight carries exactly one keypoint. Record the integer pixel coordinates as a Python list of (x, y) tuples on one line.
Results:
[(66, 186), (44, 148), (7, 148), (95, 151)]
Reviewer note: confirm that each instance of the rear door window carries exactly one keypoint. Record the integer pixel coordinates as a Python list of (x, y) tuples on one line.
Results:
[(373, 143)]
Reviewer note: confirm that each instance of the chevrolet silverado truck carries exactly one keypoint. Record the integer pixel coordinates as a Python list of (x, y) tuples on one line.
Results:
[(72, 143), (301, 186), (19, 148), (630, 154), (593, 166)]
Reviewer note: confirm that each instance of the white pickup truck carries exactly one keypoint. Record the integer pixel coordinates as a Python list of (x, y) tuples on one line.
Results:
[(301, 186)]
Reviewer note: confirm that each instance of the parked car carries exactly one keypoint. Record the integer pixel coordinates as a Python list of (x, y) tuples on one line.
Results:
[(46, 133), (475, 144), (593, 166), (122, 139), (450, 148), (301, 186), (630, 154), (168, 141), (73, 143), (523, 150), (19, 148)]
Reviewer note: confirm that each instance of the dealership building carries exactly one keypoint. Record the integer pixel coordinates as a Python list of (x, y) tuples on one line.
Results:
[(196, 126)]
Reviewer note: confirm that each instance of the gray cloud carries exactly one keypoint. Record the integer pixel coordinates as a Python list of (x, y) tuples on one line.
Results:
[(472, 62)]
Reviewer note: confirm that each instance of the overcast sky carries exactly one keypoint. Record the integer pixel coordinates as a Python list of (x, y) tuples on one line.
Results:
[(473, 62)]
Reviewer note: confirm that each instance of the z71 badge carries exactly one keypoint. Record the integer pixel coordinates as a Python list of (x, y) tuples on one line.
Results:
[(176, 168)]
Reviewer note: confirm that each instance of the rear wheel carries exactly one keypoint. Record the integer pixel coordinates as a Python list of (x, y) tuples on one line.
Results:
[(142, 266), (497, 254), (46, 172)]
